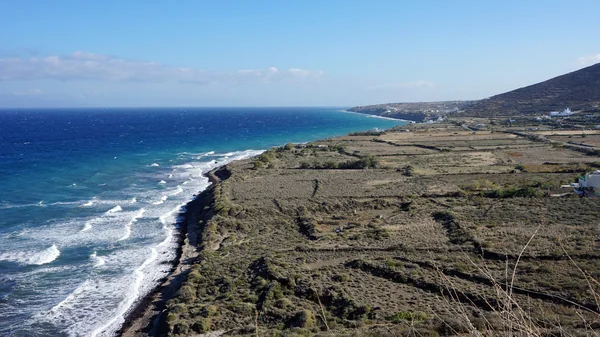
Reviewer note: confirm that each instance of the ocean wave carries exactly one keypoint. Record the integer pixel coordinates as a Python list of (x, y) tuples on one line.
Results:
[(39, 204), (154, 165), (80, 289), (32, 258), (132, 295), (87, 226), (162, 182), (99, 261), (130, 223), (175, 192), (161, 201), (114, 210)]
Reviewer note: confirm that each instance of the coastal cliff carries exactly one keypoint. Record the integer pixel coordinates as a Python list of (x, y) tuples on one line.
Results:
[(398, 233)]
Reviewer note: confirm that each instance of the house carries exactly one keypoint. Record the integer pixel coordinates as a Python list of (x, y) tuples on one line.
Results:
[(590, 180), (565, 112)]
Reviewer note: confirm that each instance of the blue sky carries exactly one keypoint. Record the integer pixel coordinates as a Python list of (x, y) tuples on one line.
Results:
[(285, 53)]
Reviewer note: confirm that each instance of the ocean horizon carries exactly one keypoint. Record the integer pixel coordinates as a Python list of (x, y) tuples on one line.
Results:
[(90, 198)]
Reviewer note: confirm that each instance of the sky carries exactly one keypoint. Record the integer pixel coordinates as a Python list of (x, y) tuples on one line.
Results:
[(285, 53)]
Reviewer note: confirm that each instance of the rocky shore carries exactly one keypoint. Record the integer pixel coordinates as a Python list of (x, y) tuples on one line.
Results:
[(434, 231), (147, 317)]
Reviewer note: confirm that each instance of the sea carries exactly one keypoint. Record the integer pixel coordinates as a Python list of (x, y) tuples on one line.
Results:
[(90, 200)]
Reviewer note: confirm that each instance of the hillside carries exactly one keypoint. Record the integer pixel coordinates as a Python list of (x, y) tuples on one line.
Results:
[(578, 90)]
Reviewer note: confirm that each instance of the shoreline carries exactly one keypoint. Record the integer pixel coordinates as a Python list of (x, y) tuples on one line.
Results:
[(144, 317), (381, 117)]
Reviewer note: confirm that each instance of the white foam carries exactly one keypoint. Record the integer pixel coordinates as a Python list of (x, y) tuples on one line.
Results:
[(87, 226), (177, 191), (32, 258), (88, 204), (162, 182), (114, 210), (133, 200), (124, 272), (130, 223), (161, 201), (40, 204), (97, 259), (71, 296), (155, 165), (131, 297), (185, 166)]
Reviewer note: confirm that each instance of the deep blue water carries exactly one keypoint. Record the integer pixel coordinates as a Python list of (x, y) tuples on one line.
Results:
[(89, 197)]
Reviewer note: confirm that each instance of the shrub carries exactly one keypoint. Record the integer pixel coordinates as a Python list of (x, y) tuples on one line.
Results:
[(367, 133), (302, 319), (407, 316), (202, 325), (330, 165), (304, 165), (187, 294), (341, 277), (362, 163)]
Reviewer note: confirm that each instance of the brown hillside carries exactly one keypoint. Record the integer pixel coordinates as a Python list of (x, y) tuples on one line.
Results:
[(578, 90)]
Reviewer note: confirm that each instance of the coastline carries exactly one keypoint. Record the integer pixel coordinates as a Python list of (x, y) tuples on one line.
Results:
[(145, 317), (377, 116)]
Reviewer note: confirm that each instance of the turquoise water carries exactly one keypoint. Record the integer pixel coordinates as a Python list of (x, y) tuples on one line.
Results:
[(89, 200)]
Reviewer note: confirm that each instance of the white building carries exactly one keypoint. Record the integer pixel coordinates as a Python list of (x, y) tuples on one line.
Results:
[(590, 180), (565, 112)]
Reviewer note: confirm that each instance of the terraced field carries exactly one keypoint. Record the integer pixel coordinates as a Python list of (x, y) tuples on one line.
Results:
[(444, 232)]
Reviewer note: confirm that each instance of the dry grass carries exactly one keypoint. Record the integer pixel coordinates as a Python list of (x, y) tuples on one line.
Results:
[(378, 253)]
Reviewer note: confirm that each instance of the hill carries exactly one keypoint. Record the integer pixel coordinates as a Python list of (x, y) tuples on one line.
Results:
[(578, 90)]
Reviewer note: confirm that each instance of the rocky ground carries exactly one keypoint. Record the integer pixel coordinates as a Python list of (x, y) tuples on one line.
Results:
[(437, 230)]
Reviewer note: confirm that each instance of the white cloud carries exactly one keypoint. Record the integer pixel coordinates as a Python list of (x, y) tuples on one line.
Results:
[(30, 92), (588, 60), (88, 66), (404, 85)]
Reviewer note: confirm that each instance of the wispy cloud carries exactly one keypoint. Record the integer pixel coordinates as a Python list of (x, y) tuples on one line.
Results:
[(30, 92), (88, 66), (588, 60), (404, 85)]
